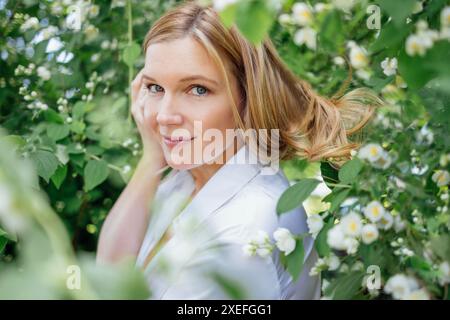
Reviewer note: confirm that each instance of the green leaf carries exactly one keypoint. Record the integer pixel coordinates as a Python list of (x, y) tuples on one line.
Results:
[(321, 244), (329, 174), (77, 127), (78, 110), (131, 53), (294, 260), (350, 170), (228, 15), (232, 288), (346, 286), (45, 163), (57, 131), (295, 195), (53, 116), (3, 242), (95, 172), (331, 35), (59, 176), (336, 198), (398, 10), (391, 37), (254, 19)]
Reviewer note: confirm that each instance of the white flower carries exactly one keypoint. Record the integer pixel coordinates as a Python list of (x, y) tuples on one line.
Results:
[(93, 11), (369, 233), (126, 168), (338, 61), (400, 286), (445, 17), (344, 5), (351, 245), (91, 32), (333, 262), (220, 5), (399, 223), (444, 159), (261, 237), (336, 238), (358, 57), (284, 240), (416, 45), (315, 224), (418, 7), (425, 135), (374, 211), (54, 44), (259, 244), (444, 270), (285, 18), (49, 32), (420, 294), (43, 73), (302, 14), (249, 250), (320, 7), (318, 267), (351, 224), (371, 152), (389, 66), (386, 221), (263, 252), (31, 23), (441, 177), (306, 36)]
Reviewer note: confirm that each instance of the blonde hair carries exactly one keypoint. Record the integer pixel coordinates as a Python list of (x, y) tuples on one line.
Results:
[(272, 96)]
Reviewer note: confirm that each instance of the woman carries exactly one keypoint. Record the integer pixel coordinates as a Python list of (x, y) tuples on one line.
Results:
[(205, 211)]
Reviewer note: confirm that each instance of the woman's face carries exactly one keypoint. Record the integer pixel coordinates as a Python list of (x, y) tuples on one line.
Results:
[(187, 100)]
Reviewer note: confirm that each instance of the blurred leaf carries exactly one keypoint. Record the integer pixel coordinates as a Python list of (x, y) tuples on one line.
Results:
[(329, 174), (294, 260), (228, 14), (45, 163), (398, 10), (295, 195), (331, 35), (346, 286), (321, 245), (350, 170), (131, 53), (59, 176), (95, 172), (57, 131), (336, 198), (254, 19)]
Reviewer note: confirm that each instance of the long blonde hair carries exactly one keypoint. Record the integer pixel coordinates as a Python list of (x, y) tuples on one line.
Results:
[(272, 96)]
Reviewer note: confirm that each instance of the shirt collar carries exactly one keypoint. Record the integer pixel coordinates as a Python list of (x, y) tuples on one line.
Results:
[(221, 187)]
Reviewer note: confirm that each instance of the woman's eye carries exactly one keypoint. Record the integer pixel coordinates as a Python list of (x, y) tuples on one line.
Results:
[(152, 87), (201, 91)]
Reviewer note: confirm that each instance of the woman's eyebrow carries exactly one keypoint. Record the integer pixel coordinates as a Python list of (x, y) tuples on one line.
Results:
[(189, 78)]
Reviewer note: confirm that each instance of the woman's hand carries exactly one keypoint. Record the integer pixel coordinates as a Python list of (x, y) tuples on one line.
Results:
[(152, 151)]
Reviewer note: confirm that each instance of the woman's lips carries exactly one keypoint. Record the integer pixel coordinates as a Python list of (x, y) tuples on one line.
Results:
[(173, 141)]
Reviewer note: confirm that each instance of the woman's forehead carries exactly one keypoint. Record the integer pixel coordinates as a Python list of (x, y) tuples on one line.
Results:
[(184, 56)]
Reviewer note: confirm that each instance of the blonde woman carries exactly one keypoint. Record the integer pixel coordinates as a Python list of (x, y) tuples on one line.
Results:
[(193, 241)]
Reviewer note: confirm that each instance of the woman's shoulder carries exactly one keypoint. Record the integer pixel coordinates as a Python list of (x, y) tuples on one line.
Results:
[(253, 208)]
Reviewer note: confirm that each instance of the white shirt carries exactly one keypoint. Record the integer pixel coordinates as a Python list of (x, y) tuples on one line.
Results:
[(210, 232)]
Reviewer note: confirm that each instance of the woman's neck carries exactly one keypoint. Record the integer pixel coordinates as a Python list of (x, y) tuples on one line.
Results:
[(203, 173)]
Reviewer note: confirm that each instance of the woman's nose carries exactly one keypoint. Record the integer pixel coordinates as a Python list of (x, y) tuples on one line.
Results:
[(168, 119), (168, 112)]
